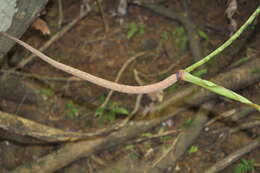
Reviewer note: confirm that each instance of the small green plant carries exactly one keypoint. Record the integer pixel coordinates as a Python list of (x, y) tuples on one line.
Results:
[(132, 152), (45, 93), (148, 134), (130, 147), (71, 110), (134, 29), (203, 35), (187, 123), (255, 70), (181, 38), (165, 35), (111, 111), (240, 61), (193, 149), (244, 166), (172, 88), (148, 145), (166, 138)]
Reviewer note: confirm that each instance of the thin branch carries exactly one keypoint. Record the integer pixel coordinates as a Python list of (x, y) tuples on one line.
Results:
[(119, 74), (226, 44), (220, 165)]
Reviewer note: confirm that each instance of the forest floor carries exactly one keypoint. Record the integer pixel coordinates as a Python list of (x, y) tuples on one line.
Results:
[(100, 45)]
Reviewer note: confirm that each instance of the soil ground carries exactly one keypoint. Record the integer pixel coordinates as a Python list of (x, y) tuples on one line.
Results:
[(91, 48)]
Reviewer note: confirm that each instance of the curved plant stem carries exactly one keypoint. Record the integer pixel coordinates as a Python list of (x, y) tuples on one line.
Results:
[(226, 44)]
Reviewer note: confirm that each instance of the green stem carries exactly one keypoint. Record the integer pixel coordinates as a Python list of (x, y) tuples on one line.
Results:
[(217, 89), (226, 44)]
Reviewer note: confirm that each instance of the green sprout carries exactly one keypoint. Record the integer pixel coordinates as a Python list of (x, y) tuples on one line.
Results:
[(203, 35), (72, 110), (111, 111), (245, 166), (187, 123), (240, 61), (134, 29), (193, 149), (181, 38)]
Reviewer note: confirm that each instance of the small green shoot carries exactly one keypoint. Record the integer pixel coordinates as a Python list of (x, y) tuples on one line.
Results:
[(240, 61), (46, 93), (172, 88), (130, 147), (111, 111), (147, 145), (71, 110), (255, 70), (165, 35), (187, 123), (134, 29), (181, 38), (245, 166), (141, 29), (193, 149), (100, 111), (203, 35), (166, 138), (148, 134), (102, 98), (132, 154)]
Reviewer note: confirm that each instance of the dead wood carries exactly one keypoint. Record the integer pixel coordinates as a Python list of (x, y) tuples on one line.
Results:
[(73, 151), (14, 89), (187, 137), (242, 113), (236, 79), (248, 126), (220, 165), (35, 133), (167, 160)]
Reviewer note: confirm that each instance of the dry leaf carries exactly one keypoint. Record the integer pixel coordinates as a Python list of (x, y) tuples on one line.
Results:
[(42, 26)]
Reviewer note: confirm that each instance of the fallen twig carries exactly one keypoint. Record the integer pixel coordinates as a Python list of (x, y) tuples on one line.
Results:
[(44, 134), (220, 165), (119, 75), (186, 138), (247, 125), (72, 151)]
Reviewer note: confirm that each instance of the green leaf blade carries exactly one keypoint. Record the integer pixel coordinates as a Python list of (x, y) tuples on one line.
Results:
[(218, 89)]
